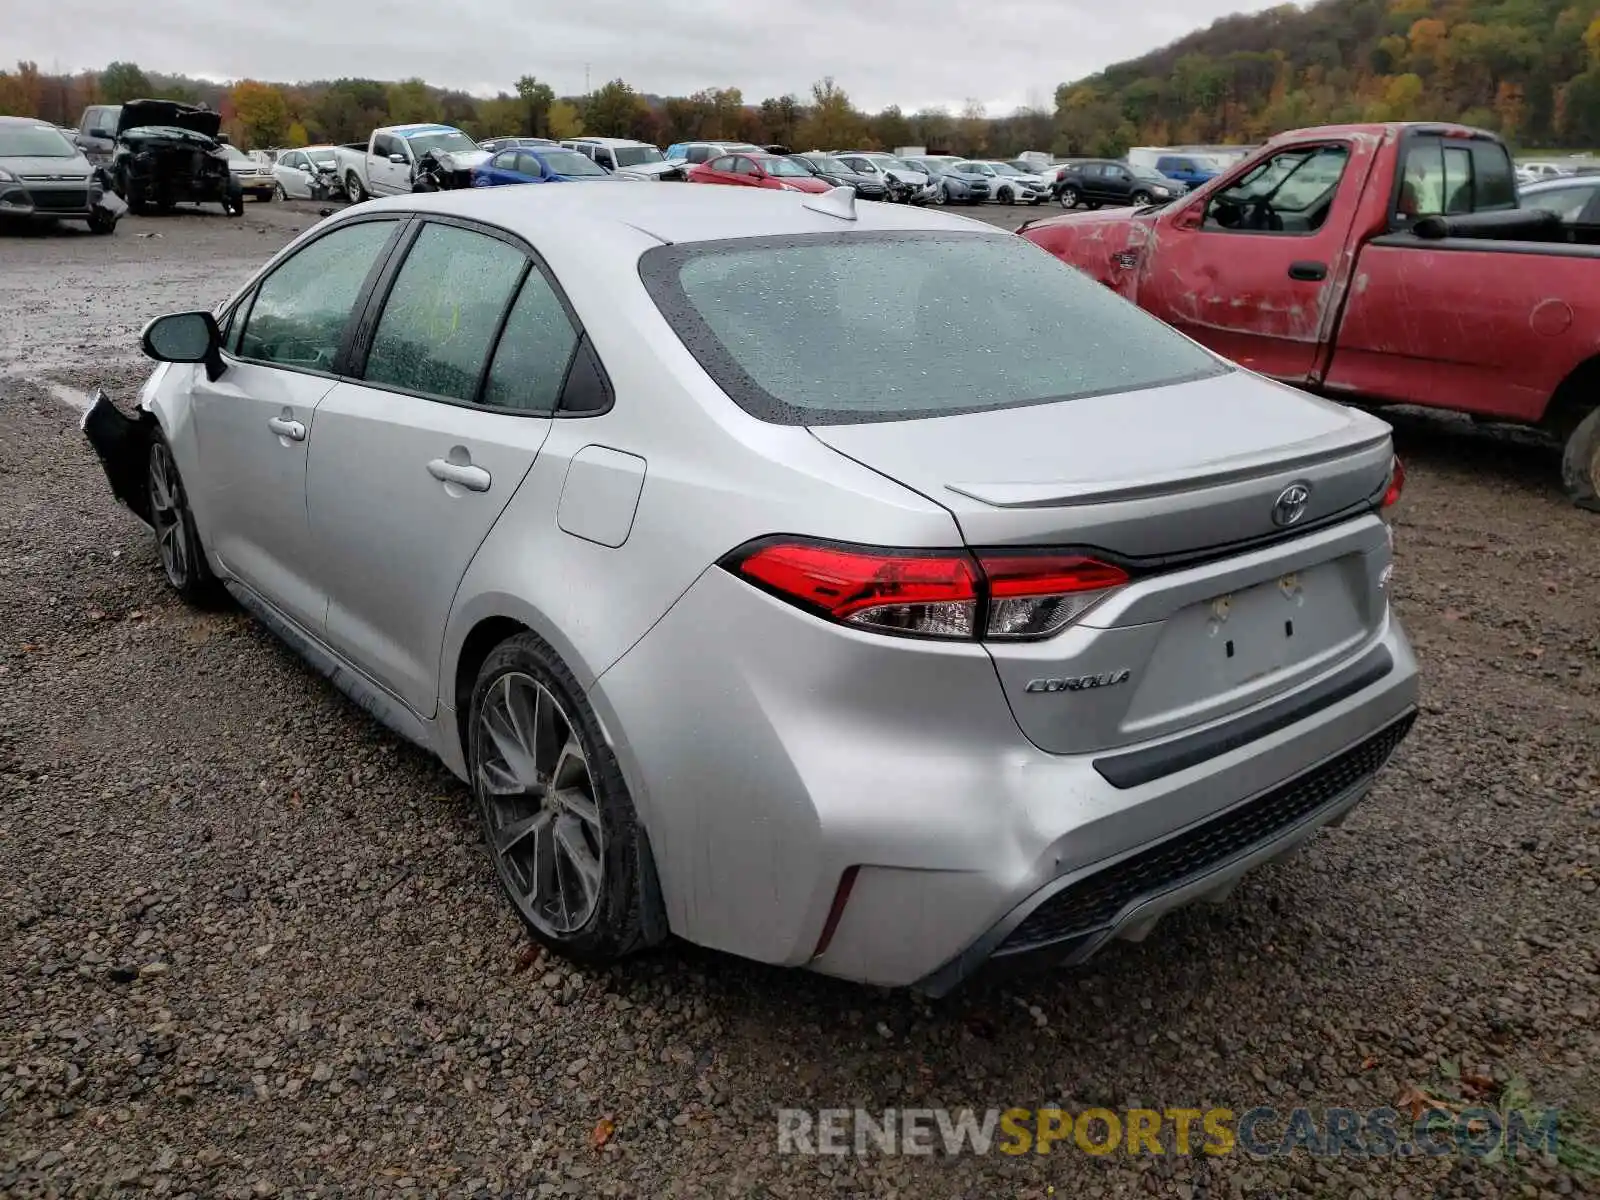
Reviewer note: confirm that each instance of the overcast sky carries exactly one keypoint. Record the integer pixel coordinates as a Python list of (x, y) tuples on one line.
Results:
[(914, 53)]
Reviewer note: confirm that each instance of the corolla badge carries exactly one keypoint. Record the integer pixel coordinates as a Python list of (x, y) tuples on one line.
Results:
[(1080, 683), (1291, 505)]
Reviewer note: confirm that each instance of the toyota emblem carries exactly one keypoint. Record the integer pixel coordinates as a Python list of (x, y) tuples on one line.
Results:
[(1291, 504)]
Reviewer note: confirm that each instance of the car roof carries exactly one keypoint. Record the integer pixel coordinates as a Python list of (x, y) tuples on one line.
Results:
[(26, 121), (668, 214), (605, 141)]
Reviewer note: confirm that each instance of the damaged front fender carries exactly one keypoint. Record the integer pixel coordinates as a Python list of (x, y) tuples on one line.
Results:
[(122, 443)]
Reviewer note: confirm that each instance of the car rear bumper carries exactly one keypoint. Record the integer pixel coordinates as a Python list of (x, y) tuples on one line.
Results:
[(799, 779)]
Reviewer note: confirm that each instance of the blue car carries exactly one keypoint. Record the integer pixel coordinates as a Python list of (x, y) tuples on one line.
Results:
[(538, 164), (1186, 169)]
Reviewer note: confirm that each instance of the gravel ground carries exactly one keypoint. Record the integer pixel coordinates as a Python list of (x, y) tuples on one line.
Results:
[(250, 945)]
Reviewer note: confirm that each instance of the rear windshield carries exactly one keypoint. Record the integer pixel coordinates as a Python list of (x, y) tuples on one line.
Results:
[(828, 329)]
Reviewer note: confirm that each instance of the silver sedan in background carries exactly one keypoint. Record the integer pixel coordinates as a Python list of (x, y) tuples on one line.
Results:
[(305, 174), (844, 586)]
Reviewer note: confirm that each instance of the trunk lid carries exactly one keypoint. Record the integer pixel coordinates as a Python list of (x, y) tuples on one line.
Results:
[(1226, 607)]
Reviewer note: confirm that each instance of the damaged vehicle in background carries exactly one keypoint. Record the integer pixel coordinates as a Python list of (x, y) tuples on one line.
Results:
[(44, 177), (400, 159), (311, 173), (169, 153)]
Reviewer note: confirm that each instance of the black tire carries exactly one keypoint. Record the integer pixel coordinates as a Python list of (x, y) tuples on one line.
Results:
[(941, 196), (1140, 199), (183, 559), (278, 192), (1070, 197), (1006, 196), (102, 222), (354, 188), (1580, 463), (618, 924)]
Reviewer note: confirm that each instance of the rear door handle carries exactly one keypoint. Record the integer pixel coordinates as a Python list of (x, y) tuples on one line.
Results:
[(474, 479), (1310, 272), (284, 427)]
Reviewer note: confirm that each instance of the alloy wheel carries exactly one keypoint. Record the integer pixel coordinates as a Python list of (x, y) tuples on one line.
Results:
[(168, 516), (541, 812)]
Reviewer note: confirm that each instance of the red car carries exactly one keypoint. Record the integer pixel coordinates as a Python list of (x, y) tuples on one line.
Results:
[(770, 171)]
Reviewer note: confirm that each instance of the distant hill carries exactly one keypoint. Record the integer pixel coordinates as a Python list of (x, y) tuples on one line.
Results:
[(1529, 69)]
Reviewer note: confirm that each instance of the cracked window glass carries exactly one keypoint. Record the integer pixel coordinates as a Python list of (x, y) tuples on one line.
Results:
[(443, 312)]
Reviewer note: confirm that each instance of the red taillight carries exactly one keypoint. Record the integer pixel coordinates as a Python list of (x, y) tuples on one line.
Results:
[(1034, 595), (931, 595), (1007, 595), (1397, 483)]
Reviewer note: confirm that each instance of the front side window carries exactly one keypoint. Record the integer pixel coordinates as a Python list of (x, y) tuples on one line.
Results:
[(843, 328), (301, 310), (527, 164), (442, 313), (505, 161), (530, 363), (1290, 192)]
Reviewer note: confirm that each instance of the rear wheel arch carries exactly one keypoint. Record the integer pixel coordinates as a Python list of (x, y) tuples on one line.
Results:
[(1574, 398), (479, 643), (1573, 416)]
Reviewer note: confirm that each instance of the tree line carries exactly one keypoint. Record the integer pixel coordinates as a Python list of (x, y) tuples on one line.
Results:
[(261, 115)]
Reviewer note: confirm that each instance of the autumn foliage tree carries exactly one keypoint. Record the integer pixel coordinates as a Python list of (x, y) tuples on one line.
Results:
[(261, 112), (1526, 68)]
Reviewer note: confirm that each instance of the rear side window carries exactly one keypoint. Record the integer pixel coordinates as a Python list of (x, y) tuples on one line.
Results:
[(530, 363), (850, 328), (300, 311), (1454, 176), (443, 312)]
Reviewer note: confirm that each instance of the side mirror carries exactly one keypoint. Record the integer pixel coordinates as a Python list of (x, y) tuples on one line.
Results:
[(189, 337), (1190, 217), (97, 132), (398, 160)]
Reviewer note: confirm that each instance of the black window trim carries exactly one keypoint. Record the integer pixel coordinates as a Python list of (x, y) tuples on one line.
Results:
[(365, 326), (658, 271), (244, 307)]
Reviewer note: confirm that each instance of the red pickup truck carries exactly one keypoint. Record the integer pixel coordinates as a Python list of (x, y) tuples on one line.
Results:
[(1382, 264)]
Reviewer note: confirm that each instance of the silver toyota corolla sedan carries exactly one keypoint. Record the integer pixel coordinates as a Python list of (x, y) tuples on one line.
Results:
[(850, 587)]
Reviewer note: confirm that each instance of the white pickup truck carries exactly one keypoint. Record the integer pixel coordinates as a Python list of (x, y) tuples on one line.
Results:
[(388, 163)]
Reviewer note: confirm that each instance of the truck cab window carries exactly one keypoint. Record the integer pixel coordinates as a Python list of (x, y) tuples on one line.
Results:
[(1453, 179), (1290, 193)]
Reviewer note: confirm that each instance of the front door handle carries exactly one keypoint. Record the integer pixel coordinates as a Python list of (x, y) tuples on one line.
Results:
[(284, 427), (474, 479), (1310, 272)]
